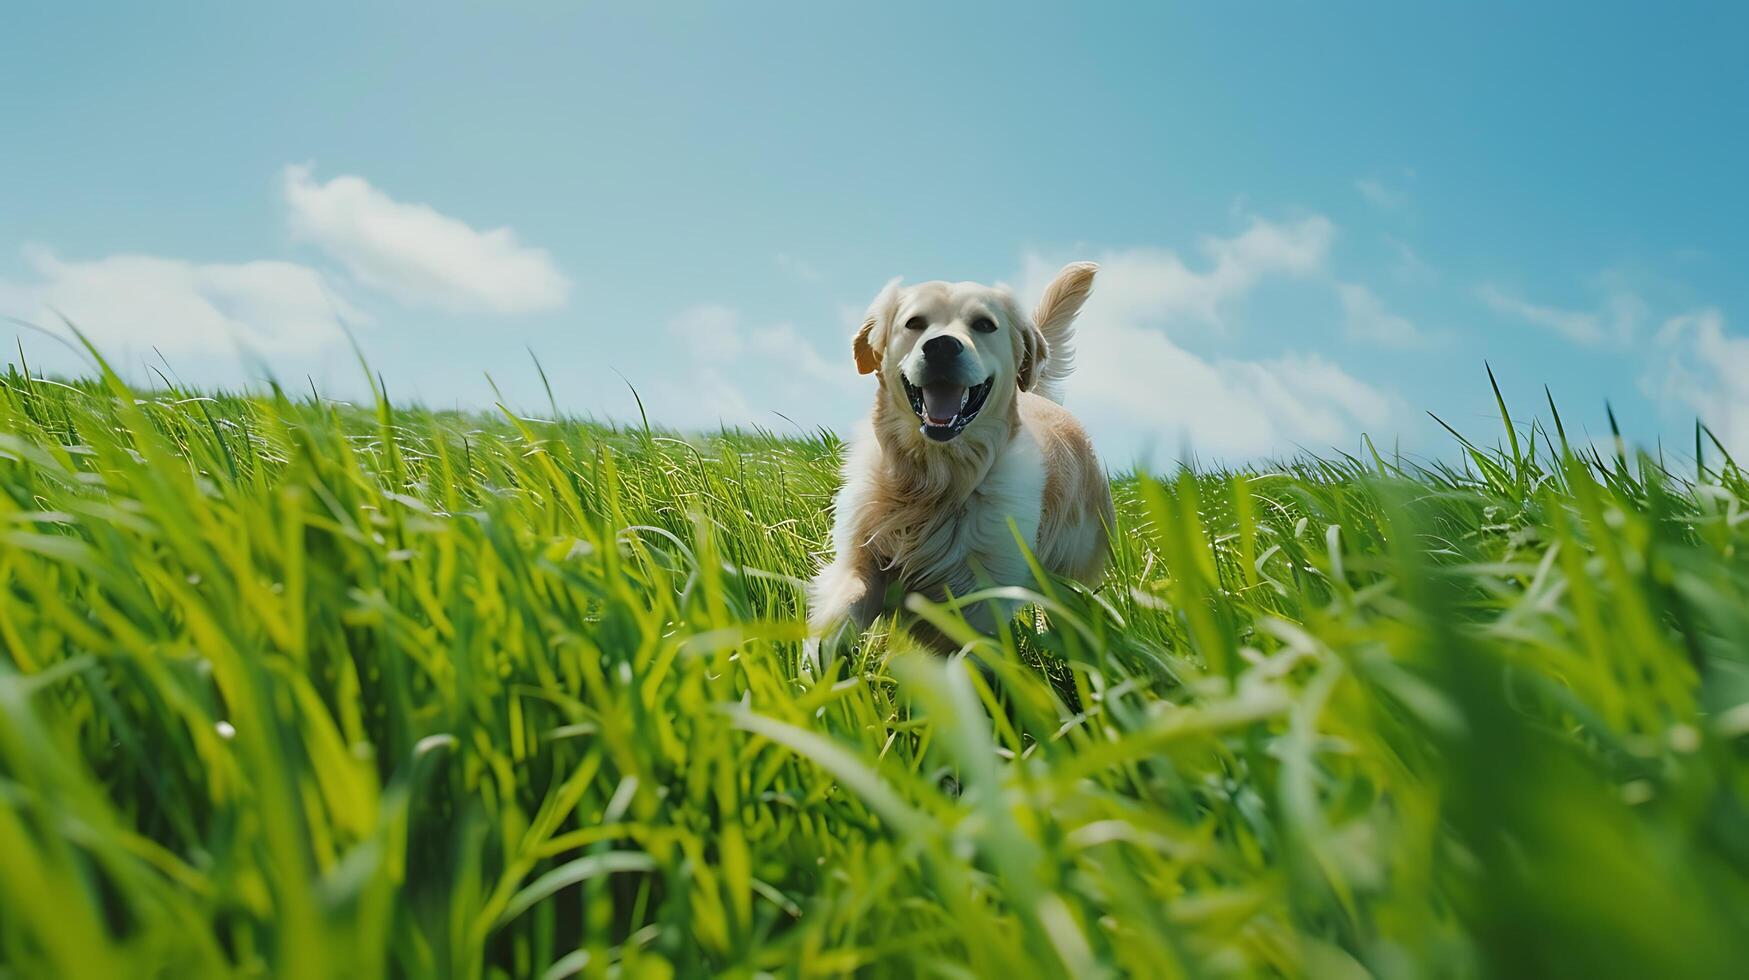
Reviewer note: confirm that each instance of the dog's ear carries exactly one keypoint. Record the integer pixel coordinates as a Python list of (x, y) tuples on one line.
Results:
[(1064, 298), (871, 338), (1033, 351), (1030, 349)]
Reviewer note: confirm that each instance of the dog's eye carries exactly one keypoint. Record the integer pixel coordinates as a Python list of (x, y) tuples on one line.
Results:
[(984, 324), (916, 323)]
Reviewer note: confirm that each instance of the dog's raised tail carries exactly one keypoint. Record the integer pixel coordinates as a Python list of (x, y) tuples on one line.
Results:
[(1055, 317)]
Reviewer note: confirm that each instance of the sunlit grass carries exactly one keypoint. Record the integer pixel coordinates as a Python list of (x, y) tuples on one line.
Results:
[(294, 687)]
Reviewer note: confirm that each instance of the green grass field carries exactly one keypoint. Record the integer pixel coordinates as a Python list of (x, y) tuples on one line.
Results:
[(296, 688)]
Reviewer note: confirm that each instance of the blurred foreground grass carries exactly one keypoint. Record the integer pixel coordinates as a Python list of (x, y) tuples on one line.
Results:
[(289, 687)]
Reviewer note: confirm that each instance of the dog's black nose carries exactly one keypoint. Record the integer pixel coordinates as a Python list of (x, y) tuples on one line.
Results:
[(942, 348)]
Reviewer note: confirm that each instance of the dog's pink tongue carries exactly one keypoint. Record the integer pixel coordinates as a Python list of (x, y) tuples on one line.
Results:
[(941, 402)]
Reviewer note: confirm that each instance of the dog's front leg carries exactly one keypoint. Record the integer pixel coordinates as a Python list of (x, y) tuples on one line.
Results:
[(850, 590), (843, 600)]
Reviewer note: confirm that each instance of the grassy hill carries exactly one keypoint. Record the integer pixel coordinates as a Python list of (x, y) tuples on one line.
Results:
[(297, 688)]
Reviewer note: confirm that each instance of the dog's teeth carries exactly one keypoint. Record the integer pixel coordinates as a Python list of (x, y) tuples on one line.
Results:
[(965, 396)]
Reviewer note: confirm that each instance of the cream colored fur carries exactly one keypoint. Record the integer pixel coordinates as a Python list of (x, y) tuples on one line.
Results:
[(920, 516)]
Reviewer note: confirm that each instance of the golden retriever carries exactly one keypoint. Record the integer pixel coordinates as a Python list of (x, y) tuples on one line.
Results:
[(967, 434)]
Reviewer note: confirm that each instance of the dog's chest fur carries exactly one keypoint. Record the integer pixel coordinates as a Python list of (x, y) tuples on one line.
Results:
[(960, 537)]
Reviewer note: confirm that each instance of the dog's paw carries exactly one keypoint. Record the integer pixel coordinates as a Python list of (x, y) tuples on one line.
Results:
[(821, 653), (813, 658)]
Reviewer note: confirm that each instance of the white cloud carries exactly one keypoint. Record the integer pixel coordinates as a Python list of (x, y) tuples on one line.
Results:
[(196, 314), (1150, 285), (1381, 195), (726, 372), (798, 267), (418, 255), (1140, 391), (708, 331), (784, 341), (1366, 320), (1410, 267), (1706, 368), (1614, 323)]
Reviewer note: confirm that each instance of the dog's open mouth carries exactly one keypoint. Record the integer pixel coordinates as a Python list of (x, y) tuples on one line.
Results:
[(946, 408)]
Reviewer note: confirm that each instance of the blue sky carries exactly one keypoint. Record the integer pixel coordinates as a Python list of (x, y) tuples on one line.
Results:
[(1316, 220)]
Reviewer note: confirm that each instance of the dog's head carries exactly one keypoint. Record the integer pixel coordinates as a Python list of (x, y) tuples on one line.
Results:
[(951, 353)]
